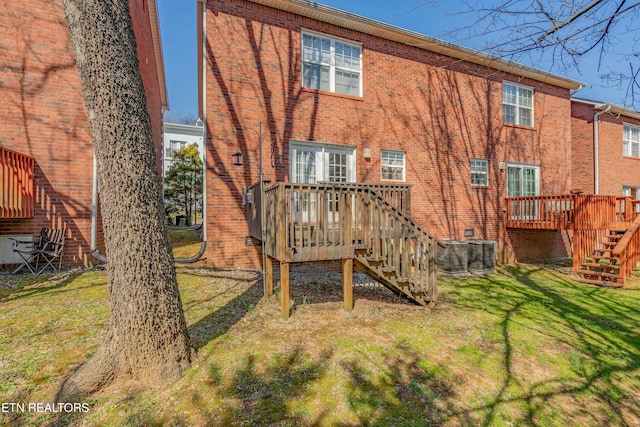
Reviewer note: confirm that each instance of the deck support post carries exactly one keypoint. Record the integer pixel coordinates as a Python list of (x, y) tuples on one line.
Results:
[(285, 299), (268, 288), (576, 255), (347, 284)]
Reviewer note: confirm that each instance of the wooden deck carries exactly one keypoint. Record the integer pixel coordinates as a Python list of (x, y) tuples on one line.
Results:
[(366, 226), (16, 179), (604, 231)]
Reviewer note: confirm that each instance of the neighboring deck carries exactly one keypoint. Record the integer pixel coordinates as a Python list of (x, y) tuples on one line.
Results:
[(367, 226), (16, 180), (604, 231)]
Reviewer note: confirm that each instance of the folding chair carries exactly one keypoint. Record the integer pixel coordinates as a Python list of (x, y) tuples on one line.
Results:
[(48, 249)]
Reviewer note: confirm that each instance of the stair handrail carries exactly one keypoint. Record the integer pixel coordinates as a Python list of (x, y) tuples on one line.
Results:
[(628, 249), (420, 234), (398, 214)]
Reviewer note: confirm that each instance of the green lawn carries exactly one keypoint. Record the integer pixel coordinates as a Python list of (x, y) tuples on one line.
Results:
[(525, 346), (185, 242)]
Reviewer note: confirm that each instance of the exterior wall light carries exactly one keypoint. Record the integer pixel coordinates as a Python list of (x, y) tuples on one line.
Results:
[(237, 156)]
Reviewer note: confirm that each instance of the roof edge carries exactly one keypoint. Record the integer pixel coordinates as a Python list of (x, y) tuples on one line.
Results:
[(612, 108), (373, 27), (157, 48)]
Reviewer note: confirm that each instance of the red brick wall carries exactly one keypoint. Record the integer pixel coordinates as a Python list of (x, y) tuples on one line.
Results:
[(441, 112), (536, 245), (44, 117), (582, 160), (615, 170)]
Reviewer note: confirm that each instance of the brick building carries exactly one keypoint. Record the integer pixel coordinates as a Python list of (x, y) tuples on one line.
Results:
[(44, 114), (344, 98), (611, 134)]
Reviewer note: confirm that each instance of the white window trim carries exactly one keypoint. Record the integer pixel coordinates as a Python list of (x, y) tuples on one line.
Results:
[(332, 66), (322, 149), (486, 162), (629, 152), (170, 151), (533, 93), (404, 165), (529, 166)]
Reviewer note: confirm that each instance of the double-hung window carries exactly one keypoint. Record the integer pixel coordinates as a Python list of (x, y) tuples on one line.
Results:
[(392, 166), (517, 104), (480, 172), (331, 64), (631, 140)]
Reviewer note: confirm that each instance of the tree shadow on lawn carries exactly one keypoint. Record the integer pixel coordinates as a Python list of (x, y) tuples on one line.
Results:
[(596, 323), (298, 388), (305, 289), (220, 321), (15, 287)]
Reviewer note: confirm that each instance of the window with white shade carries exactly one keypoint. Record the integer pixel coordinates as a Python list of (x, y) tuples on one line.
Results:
[(631, 140), (331, 64)]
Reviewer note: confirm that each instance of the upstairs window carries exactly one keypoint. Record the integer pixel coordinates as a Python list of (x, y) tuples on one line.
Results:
[(479, 172), (173, 147), (631, 140), (517, 104), (331, 65)]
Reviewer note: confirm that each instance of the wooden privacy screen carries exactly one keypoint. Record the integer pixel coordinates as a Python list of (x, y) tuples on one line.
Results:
[(16, 194)]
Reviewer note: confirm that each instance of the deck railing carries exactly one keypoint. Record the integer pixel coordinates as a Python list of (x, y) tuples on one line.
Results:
[(312, 218), (16, 193), (628, 249), (589, 216), (332, 221), (571, 211)]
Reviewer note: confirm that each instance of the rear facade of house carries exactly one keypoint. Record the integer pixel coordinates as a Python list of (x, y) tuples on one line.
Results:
[(44, 118), (612, 134), (338, 97)]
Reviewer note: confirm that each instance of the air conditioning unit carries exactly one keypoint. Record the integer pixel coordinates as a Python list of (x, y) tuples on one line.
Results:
[(7, 255), (482, 256), (453, 258)]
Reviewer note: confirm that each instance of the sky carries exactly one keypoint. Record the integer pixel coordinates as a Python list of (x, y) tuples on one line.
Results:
[(178, 33)]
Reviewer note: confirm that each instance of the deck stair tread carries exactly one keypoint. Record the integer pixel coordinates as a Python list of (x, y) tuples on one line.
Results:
[(597, 265), (604, 268), (598, 274), (605, 258)]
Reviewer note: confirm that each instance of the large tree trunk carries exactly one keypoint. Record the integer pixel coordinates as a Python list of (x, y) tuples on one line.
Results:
[(147, 340)]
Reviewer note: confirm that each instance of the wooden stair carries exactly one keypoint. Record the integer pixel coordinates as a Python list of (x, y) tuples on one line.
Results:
[(402, 257), (603, 267), (390, 276)]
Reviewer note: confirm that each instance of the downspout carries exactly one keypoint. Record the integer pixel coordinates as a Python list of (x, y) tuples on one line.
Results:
[(203, 114), (596, 148), (94, 197), (576, 91), (94, 214)]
